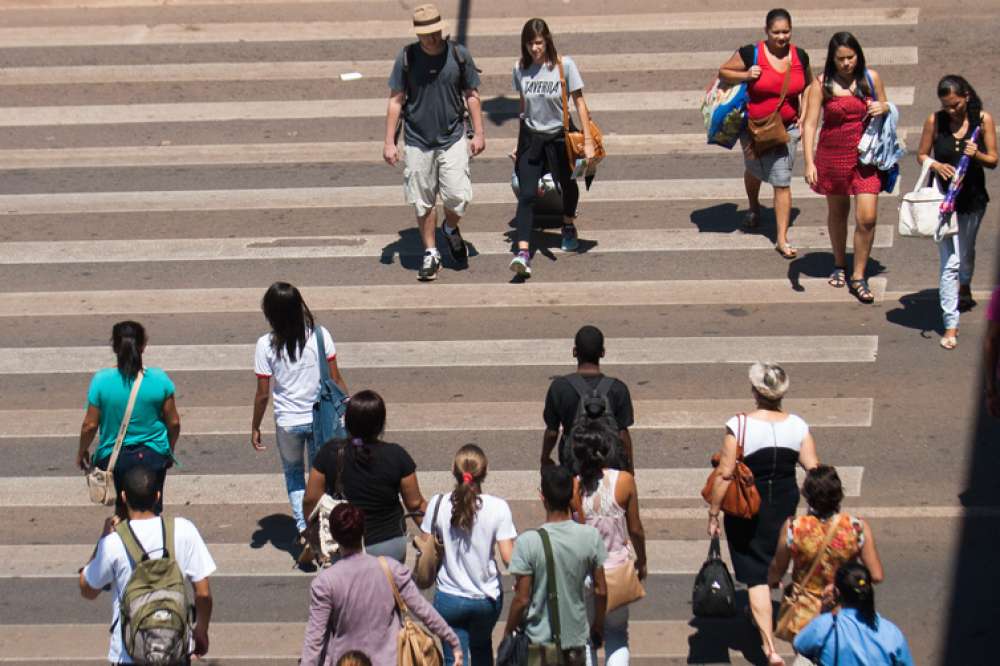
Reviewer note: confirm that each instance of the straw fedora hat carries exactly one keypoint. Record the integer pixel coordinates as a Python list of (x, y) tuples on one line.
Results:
[(427, 20)]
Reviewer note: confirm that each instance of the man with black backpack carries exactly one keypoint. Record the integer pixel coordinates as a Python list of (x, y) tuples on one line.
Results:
[(148, 560), (587, 396), (434, 97)]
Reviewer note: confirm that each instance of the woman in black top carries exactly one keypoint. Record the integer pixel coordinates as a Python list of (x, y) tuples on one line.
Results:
[(375, 475), (946, 137)]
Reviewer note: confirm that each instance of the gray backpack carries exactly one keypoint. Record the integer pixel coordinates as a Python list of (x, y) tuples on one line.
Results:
[(155, 608), (594, 408)]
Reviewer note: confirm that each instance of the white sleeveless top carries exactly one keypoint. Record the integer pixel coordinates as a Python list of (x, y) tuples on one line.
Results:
[(762, 434), (602, 512)]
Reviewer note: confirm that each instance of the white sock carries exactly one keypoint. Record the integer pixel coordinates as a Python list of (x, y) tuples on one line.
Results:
[(433, 251), (447, 229)]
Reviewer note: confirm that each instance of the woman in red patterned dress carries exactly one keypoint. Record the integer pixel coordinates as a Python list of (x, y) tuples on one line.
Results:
[(849, 94)]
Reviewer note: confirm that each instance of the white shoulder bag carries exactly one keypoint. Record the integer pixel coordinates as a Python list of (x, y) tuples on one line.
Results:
[(920, 209)]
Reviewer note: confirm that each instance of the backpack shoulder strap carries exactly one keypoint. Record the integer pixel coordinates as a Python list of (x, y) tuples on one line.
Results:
[(604, 386), (577, 382), (168, 537), (132, 546), (552, 591)]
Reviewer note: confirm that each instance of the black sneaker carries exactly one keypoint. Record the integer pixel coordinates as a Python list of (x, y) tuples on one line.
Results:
[(429, 269), (456, 246)]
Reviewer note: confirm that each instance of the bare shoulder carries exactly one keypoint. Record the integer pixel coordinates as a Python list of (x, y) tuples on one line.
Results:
[(985, 117)]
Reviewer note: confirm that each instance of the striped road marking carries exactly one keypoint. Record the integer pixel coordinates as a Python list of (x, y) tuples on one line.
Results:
[(312, 152), (248, 489), (229, 33), (309, 70), (117, 4), (244, 560), (705, 414), (385, 246), (443, 296), (466, 353), (180, 112)]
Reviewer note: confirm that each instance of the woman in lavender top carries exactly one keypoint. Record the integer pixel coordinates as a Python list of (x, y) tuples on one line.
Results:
[(352, 607)]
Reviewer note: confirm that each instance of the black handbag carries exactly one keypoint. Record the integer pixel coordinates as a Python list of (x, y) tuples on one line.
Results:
[(714, 594), (513, 650)]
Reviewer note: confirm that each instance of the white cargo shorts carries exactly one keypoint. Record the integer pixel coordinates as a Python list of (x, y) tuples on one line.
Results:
[(427, 173)]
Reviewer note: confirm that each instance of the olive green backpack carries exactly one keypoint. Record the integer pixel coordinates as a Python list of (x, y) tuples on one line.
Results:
[(155, 608)]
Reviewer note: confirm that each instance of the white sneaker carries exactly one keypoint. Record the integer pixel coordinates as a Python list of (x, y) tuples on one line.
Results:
[(521, 264)]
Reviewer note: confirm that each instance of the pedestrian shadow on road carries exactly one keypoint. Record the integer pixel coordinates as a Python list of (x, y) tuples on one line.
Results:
[(714, 638), (819, 264), (409, 250), (726, 218), (278, 530), (919, 310), (499, 110)]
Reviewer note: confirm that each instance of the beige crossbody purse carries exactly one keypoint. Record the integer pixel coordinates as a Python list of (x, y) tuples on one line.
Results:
[(101, 483)]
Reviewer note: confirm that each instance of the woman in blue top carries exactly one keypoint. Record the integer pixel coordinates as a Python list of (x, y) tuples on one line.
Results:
[(154, 425), (853, 634)]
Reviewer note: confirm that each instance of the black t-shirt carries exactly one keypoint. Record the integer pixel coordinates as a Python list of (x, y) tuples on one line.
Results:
[(374, 488), (562, 401), (747, 53)]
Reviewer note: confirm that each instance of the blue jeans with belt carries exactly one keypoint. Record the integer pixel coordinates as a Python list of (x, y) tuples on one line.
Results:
[(473, 621)]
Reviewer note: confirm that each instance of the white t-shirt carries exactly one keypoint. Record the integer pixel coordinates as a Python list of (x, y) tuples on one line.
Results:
[(295, 385), (542, 92), (111, 564), (761, 434), (469, 569)]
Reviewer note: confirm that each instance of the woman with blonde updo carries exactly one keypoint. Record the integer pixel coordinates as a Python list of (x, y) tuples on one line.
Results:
[(771, 442), (470, 524)]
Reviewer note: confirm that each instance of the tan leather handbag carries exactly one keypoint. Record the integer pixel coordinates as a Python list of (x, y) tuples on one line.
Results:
[(574, 137), (769, 132), (798, 605), (430, 551), (742, 500), (416, 646), (624, 585), (100, 482)]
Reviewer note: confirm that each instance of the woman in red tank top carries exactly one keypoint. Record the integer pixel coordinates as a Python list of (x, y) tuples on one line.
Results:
[(847, 99), (763, 66)]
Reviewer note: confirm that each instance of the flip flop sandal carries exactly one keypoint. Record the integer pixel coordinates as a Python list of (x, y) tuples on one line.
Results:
[(838, 278), (861, 290), (787, 251), (949, 342)]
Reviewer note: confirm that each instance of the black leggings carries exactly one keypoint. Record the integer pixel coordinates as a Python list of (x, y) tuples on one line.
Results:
[(535, 151)]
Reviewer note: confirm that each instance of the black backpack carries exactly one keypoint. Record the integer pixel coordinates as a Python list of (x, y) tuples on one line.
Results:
[(714, 594), (594, 407), (410, 52)]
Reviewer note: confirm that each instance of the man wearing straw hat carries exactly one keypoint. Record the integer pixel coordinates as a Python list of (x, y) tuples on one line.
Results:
[(431, 83)]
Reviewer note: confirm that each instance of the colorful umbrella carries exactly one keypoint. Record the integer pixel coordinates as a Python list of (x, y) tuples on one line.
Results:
[(948, 205)]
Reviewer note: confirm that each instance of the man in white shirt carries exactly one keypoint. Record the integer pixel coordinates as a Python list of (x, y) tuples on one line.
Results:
[(112, 565)]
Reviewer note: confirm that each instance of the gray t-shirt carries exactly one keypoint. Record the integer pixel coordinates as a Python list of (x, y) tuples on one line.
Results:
[(433, 108), (577, 550), (539, 85)]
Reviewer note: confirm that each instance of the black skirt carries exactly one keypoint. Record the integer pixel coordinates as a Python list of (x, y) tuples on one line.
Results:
[(752, 543)]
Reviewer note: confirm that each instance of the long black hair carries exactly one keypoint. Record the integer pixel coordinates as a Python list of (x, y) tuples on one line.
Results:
[(861, 87), (127, 340), (591, 448), (855, 590), (365, 421), (953, 83), (289, 317), (533, 28)]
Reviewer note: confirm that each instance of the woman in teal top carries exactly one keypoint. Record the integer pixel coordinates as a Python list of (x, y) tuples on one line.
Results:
[(154, 425)]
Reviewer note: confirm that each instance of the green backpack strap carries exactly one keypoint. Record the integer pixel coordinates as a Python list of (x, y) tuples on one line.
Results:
[(135, 550), (168, 538), (552, 593)]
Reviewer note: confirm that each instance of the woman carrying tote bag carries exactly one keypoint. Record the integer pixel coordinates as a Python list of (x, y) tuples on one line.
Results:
[(946, 138)]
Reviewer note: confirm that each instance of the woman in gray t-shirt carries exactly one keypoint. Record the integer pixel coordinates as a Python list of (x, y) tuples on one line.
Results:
[(541, 145)]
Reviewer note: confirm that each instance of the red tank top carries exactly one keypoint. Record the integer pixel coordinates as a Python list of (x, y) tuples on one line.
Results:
[(763, 94)]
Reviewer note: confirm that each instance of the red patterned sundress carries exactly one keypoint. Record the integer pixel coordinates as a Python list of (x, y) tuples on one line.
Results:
[(838, 170)]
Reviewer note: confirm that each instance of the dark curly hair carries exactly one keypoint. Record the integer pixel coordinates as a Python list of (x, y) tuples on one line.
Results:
[(823, 490)]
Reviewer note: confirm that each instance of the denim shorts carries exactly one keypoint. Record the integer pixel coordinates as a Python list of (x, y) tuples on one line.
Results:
[(775, 166)]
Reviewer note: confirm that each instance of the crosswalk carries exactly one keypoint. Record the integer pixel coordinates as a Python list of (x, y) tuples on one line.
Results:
[(153, 154)]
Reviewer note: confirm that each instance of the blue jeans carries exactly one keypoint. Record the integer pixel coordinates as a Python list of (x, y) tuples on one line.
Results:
[(958, 261), (134, 456), (473, 621), (616, 652), (294, 444)]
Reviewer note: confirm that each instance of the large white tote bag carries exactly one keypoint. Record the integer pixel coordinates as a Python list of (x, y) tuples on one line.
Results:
[(920, 209)]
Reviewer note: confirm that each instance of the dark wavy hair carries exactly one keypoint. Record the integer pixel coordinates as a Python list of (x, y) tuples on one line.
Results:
[(365, 421), (347, 525), (823, 490), (855, 590), (289, 317), (591, 447), (861, 87), (465, 498), (533, 28), (955, 84), (127, 340)]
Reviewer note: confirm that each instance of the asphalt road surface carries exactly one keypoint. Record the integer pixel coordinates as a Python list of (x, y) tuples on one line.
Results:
[(166, 160)]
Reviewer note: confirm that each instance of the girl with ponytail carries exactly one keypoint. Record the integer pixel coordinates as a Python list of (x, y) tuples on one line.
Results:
[(470, 523), (853, 633), (154, 425), (608, 500)]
